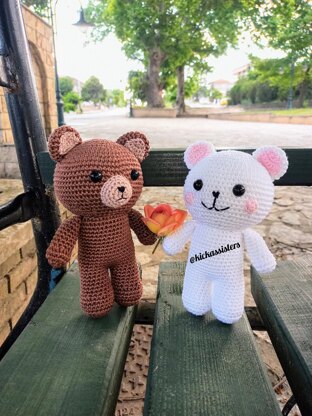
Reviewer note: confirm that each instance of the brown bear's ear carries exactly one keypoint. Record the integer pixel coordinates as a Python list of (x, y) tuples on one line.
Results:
[(61, 141), (137, 143)]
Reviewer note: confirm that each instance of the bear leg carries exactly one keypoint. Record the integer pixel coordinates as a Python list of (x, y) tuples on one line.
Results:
[(228, 299), (196, 294), (126, 282), (96, 291)]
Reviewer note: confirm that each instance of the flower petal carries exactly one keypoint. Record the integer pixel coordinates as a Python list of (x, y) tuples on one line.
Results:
[(164, 208), (160, 218), (168, 229), (148, 210), (152, 225), (180, 215)]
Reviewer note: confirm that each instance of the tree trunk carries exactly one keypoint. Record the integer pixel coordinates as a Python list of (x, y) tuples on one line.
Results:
[(154, 90), (180, 93), (303, 88)]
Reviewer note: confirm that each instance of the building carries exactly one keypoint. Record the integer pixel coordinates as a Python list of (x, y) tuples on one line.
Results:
[(221, 85), (242, 71)]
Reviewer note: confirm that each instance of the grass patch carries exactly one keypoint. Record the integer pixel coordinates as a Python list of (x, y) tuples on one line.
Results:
[(292, 112)]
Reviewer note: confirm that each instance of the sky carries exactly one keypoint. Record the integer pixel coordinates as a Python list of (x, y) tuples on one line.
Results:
[(106, 60)]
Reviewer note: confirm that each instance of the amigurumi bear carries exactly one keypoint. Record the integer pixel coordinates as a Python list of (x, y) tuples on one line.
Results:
[(99, 181), (226, 193)]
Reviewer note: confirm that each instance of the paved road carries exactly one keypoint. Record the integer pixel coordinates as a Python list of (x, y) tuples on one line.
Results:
[(166, 132)]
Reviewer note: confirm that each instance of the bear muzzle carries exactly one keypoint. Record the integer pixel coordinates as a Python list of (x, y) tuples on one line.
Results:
[(116, 192)]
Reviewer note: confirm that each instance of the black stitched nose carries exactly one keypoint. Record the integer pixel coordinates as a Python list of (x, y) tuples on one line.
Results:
[(215, 194), (121, 188)]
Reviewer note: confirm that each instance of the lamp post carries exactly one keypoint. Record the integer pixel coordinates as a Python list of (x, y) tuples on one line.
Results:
[(290, 93), (59, 101)]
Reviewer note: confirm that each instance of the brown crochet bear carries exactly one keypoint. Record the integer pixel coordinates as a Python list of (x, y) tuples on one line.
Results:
[(99, 181)]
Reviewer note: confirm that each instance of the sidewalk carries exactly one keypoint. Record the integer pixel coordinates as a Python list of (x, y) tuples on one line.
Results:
[(180, 132)]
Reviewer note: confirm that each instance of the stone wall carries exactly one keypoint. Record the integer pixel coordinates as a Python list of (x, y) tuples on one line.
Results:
[(39, 35), (18, 263)]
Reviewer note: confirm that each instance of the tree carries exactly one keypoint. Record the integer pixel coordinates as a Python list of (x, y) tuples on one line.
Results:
[(72, 101), (287, 26), (66, 85), (215, 94), (269, 80), (174, 33), (204, 29), (115, 97), (137, 84), (93, 90), (191, 86)]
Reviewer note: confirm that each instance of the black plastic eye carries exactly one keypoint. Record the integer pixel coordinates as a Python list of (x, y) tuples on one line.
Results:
[(239, 190), (96, 176), (198, 185), (134, 174)]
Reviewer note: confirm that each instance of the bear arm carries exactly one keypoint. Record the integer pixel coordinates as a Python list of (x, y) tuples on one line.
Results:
[(174, 243), (144, 235), (260, 256), (62, 244)]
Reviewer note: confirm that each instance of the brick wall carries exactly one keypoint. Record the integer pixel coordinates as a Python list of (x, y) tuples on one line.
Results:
[(39, 35), (18, 272)]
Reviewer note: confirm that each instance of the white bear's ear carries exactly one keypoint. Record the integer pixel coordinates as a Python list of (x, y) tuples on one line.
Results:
[(273, 159), (196, 152)]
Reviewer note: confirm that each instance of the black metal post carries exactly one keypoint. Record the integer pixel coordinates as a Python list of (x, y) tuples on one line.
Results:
[(29, 136), (290, 93), (59, 101)]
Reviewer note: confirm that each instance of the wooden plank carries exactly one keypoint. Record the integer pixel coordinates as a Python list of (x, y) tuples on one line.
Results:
[(166, 168), (284, 300), (65, 363), (146, 314), (200, 366)]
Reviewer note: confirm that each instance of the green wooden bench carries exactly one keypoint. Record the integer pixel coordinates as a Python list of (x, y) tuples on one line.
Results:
[(64, 363), (67, 363)]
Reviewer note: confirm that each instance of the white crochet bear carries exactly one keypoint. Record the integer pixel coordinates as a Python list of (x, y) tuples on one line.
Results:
[(226, 193)]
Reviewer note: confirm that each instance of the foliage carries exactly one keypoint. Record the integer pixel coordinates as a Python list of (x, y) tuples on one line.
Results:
[(167, 34), (93, 90), (137, 85), (40, 7), (270, 80), (287, 26), (66, 85), (215, 94), (116, 98), (191, 86), (72, 101)]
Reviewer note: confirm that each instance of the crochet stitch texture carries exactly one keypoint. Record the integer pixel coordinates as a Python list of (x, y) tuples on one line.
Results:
[(94, 180), (226, 193)]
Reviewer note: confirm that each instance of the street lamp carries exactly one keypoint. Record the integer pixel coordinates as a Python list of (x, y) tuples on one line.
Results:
[(290, 93), (82, 23), (59, 101)]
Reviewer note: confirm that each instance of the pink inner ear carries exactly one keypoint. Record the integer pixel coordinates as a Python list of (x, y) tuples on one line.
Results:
[(137, 147), (197, 152), (68, 141), (272, 161)]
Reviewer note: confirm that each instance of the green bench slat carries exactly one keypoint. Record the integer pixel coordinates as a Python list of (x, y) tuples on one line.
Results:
[(284, 300), (165, 167), (65, 363), (200, 366)]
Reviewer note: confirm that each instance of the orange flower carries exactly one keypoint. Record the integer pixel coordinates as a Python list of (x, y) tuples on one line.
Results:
[(163, 219)]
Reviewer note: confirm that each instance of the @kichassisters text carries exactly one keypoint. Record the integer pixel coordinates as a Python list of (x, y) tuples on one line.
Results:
[(212, 253)]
